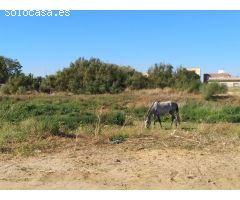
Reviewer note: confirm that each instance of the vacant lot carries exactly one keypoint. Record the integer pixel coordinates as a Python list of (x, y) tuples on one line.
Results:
[(69, 142), (138, 163)]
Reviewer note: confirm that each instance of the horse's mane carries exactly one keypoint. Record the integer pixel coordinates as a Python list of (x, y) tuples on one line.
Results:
[(150, 109)]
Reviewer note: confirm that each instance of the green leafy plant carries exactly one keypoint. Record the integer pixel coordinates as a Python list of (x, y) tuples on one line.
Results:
[(211, 89)]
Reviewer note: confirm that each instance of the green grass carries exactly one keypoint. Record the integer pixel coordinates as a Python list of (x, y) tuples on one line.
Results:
[(26, 123), (210, 113)]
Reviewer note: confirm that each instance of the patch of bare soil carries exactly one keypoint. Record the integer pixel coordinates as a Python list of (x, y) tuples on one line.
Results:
[(138, 163)]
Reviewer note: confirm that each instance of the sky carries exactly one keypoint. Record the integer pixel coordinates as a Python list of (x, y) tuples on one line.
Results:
[(44, 45)]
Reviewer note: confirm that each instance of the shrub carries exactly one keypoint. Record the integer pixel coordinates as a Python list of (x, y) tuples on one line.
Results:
[(211, 89), (113, 117), (194, 86), (139, 112), (19, 83), (29, 125), (209, 113), (5, 89), (21, 90), (193, 111), (45, 87), (186, 80), (11, 133), (48, 125), (64, 123), (87, 118)]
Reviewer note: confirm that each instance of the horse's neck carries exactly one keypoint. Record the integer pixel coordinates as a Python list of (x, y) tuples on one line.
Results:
[(150, 113)]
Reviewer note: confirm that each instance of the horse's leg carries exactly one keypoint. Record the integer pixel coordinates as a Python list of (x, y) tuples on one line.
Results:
[(173, 117), (154, 120), (177, 118), (159, 120)]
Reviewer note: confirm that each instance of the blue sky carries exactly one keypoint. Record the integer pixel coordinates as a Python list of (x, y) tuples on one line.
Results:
[(43, 45)]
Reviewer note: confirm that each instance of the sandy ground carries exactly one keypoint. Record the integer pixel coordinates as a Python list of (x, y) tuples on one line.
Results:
[(137, 163)]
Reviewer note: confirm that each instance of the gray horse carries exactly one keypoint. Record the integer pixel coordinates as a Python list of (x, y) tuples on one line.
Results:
[(160, 108)]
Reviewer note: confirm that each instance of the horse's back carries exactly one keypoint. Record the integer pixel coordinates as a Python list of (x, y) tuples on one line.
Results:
[(167, 103), (166, 106)]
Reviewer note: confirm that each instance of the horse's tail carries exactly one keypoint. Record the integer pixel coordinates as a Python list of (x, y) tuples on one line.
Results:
[(177, 113)]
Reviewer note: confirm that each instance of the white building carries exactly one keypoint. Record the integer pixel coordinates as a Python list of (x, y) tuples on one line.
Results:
[(197, 70), (223, 78)]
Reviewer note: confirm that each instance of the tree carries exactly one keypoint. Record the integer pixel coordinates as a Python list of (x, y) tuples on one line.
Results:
[(8, 68), (48, 84), (91, 76), (18, 83), (37, 83), (138, 81), (161, 75), (187, 80)]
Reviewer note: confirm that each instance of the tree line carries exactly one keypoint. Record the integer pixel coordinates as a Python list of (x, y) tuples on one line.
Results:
[(92, 76)]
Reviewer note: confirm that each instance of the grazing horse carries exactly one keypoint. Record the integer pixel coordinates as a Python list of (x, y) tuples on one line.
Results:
[(160, 108)]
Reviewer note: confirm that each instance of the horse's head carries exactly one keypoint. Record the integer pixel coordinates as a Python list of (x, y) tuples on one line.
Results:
[(147, 122), (148, 116)]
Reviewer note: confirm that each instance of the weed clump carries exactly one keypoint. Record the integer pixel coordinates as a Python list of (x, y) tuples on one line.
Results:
[(113, 117)]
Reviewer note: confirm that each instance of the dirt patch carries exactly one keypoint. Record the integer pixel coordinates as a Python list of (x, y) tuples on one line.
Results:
[(138, 163)]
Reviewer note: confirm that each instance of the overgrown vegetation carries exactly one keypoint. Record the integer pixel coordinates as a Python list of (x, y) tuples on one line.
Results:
[(162, 75), (28, 122), (95, 77), (34, 119), (210, 113), (211, 89), (13, 81)]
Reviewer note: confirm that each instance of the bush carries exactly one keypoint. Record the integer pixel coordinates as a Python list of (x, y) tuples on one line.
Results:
[(114, 117), (211, 89), (194, 86), (72, 121), (138, 112), (186, 80), (45, 87), (48, 125), (19, 83), (5, 89), (29, 125), (193, 111), (21, 90), (209, 113), (65, 123), (11, 133)]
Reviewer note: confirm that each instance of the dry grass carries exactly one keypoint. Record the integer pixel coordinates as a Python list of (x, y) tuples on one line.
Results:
[(146, 97), (133, 97), (217, 137), (191, 156), (221, 137)]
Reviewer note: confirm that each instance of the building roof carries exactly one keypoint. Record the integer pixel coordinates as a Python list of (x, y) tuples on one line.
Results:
[(219, 75), (228, 79)]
